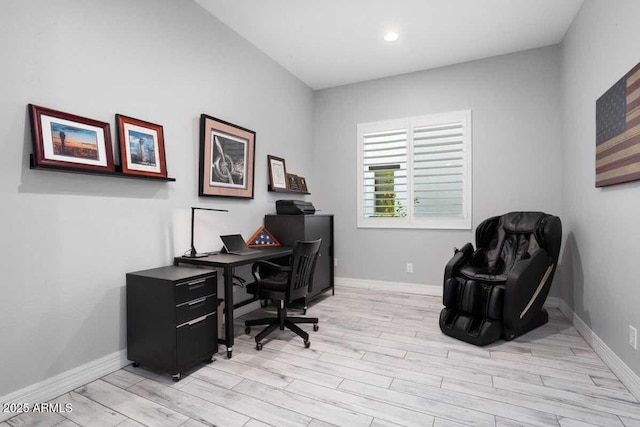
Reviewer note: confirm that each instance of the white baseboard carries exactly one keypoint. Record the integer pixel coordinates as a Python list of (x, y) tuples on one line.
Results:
[(65, 382), (241, 311), (553, 302), (408, 288), (617, 366), (411, 288)]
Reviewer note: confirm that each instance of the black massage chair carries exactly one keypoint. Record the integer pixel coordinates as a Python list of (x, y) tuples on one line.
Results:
[(498, 290)]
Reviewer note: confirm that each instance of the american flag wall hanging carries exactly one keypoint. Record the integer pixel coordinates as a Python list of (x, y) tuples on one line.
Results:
[(618, 131)]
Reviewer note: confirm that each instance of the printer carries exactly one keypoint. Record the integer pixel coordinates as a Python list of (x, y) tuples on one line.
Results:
[(294, 207)]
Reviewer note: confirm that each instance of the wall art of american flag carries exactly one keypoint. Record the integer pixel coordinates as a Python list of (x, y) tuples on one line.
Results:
[(618, 131)]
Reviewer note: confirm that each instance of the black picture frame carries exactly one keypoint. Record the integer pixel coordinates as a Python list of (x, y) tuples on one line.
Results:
[(227, 159), (302, 183), (293, 183), (277, 173)]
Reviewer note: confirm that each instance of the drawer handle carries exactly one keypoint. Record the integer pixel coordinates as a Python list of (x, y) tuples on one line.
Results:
[(198, 320), (197, 303), (195, 285)]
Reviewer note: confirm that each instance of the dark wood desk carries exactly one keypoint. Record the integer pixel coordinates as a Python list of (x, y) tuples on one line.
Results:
[(228, 262)]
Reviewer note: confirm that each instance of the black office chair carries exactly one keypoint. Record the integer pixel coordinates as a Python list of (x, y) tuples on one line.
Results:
[(498, 290), (286, 284)]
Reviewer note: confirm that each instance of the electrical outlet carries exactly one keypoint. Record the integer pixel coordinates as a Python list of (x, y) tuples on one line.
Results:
[(409, 267), (633, 337)]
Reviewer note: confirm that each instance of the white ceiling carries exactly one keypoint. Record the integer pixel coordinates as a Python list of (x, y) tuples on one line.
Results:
[(334, 42)]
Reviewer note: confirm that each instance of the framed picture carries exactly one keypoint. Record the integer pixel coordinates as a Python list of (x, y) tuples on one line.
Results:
[(293, 182), (277, 173), (227, 159), (68, 141), (302, 183), (141, 147)]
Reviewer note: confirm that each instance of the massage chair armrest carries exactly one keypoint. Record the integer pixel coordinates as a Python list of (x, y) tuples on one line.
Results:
[(527, 287), (460, 257)]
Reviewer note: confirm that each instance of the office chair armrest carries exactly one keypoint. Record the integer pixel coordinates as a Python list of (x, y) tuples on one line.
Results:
[(266, 267), (460, 257), (527, 287)]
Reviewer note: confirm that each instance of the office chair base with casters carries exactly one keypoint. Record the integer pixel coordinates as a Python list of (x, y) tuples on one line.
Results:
[(281, 322), (286, 284)]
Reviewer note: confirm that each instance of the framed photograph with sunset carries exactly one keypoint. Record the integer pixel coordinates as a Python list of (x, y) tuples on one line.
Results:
[(141, 147), (68, 141)]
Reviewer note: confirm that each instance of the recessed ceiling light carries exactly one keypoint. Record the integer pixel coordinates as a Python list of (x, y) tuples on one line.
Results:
[(391, 36)]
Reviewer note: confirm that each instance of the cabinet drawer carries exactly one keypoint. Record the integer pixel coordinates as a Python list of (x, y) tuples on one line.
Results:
[(194, 289), (195, 308), (196, 341)]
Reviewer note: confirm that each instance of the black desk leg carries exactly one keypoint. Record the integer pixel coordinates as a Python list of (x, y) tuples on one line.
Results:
[(228, 310)]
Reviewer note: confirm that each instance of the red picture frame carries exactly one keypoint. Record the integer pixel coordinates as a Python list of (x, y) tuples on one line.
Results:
[(68, 141), (141, 147)]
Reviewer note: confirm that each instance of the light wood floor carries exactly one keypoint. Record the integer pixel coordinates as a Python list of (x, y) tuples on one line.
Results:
[(378, 360)]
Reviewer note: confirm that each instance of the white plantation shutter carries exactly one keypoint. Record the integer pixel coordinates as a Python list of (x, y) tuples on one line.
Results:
[(438, 170), (385, 173), (415, 172)]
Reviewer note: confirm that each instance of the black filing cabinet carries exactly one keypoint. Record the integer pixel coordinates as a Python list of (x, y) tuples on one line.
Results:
[(171, 318), (289, 228)]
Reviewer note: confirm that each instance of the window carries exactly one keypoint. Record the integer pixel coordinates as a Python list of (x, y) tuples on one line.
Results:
[(415, 172)]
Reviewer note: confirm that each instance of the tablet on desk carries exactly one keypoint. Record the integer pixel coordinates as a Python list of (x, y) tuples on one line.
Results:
[(235, 244)]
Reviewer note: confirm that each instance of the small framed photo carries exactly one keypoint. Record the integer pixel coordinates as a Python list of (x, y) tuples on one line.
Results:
[(293, 182), (141, 147), (68, 141), (302, 183), (227, 159), (277, 173)]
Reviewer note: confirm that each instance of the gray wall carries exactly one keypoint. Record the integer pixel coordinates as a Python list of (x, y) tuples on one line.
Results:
[(68, 240), (515, 103), (601, 251)]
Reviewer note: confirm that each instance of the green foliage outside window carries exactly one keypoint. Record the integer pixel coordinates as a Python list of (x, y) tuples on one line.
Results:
[(386, 203)]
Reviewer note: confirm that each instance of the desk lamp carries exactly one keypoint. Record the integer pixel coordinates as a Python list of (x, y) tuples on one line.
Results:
[(192, 252)]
